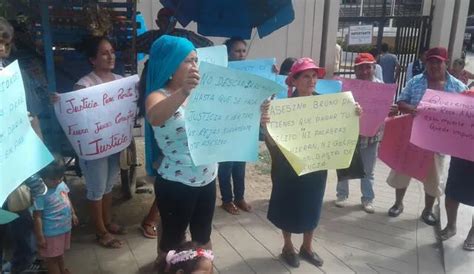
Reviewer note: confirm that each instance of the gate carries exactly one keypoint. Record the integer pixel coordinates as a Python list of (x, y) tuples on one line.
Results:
[(399, 23)]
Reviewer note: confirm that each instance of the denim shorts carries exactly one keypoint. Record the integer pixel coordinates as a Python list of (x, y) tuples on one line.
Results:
[(100, 175)]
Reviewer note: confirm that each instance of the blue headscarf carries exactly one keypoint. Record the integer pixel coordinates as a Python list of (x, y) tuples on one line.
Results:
[(166, 55)]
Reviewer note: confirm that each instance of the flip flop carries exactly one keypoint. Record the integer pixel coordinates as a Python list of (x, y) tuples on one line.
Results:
[(231, 208), (108, 242), (116, 229), (150, 231), (446, 234)]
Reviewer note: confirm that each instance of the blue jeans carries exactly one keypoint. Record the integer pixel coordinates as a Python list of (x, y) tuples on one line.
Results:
[(369, 157), (236, 170)]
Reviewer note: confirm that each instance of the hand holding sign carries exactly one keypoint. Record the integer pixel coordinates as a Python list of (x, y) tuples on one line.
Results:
[(444, 124), (98, 120), (315, 132), (223, 114), (17, 138)]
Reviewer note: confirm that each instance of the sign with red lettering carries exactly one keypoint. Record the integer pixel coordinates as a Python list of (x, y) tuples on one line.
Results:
[(445, 124), (98, 120), (398, 153)]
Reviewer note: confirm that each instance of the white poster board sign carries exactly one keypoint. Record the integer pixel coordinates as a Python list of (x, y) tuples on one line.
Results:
[(98, 120), (360, 35)]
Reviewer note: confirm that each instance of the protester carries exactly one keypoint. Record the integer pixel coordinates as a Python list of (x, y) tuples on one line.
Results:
[(100, 174), (378, 68), (459, 189), (364, 68), (460, 73), (20, 230), (186, 193), (296, 201), (435, 77), (390, 65), (418, 66), (166, 23), (233, 195), (189, 258), (53, 218)]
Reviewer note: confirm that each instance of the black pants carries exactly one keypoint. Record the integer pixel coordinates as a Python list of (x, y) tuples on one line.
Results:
[(181, 205)]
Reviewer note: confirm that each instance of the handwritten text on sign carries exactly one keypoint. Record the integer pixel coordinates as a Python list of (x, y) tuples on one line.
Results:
[(315, 132), (445, 123), (399, 154), (375, 100), (18, 141), (223, 115), (260, 67), (98, 120)]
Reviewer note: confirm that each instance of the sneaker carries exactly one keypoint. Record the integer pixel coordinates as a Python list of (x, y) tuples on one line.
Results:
[(341, 202), (368, 207)]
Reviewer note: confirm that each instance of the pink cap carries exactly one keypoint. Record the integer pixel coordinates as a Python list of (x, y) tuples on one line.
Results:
[(300, 65)]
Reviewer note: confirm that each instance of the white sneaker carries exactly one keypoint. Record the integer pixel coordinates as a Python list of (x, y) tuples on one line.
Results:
[(368, 207), (340, 202)]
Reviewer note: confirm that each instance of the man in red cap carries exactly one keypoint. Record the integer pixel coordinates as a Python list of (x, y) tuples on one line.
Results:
[(166, 23), (435, 77), (364, 69)]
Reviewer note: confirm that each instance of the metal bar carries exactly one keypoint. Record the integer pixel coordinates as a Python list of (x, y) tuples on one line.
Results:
[(48, 46)]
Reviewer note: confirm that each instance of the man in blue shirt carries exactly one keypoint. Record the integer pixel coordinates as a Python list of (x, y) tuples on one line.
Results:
[(390, 65), (435, 77)]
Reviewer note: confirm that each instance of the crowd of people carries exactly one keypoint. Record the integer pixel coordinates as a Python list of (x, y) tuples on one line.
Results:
[(185, 194)]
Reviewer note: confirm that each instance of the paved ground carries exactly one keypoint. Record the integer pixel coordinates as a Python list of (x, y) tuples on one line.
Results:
[(349, 240)]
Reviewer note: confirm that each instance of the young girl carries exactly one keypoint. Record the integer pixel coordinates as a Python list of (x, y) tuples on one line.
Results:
[(53, 215), (189, 259)]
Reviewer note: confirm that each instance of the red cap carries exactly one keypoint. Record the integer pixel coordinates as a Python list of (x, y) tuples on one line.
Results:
[(165, 12), (364, 58), (439, 53)]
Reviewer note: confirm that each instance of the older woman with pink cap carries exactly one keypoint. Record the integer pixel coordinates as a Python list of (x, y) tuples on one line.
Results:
[(296, 201)]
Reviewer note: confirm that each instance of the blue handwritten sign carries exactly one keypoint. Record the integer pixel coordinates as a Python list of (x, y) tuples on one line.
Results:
[(260, 67), (324, 86), (216, 55), (280, 79), (22, 153), (7, 216), (223, 115)]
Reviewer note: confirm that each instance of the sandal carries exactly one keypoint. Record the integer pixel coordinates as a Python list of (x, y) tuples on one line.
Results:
[(231, 208), (242, 204), (469, 242), (116, 229), (108, 241), (150, 231)]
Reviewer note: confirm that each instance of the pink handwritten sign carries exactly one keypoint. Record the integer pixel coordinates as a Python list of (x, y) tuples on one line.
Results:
[(375, 100), (398, 153), (98, 120), (445, 124)]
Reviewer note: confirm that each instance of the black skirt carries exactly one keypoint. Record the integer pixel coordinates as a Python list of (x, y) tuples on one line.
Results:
[(460, 185), (296, 201)]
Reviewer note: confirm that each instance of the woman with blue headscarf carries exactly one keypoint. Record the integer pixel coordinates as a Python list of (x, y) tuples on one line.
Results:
[(186, 193)]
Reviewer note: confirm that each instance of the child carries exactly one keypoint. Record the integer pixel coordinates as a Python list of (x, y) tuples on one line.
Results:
[(189, 259), (52, 216)]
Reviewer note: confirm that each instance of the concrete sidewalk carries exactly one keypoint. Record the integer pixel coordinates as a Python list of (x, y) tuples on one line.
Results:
[(348, 239)]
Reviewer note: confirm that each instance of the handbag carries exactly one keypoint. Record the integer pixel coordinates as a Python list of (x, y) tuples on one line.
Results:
[(355, 170), (19, 199)]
